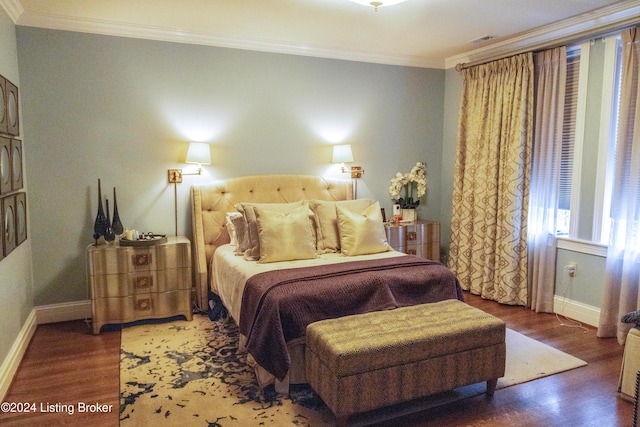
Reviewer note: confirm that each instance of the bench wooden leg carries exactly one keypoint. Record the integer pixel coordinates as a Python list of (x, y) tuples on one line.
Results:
[(491, 386)]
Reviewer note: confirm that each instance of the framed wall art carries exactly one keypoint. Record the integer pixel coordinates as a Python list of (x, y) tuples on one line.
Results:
[(5, 166), (21, 218), (16, 164), (9, 224), (4, 122), (13, 119)]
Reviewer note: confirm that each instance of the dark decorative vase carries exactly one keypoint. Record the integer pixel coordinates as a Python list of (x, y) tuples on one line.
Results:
[(100, 225), (116, 225), (109, 235)]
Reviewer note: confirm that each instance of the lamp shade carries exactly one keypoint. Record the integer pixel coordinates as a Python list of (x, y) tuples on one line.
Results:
[(199, 152), (342, 154), (379, 3)]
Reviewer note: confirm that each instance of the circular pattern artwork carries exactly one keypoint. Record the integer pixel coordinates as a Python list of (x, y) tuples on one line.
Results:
[(2, 108), (13, 109), (5, 166), (9, 224), (17, 164), (21, 218)]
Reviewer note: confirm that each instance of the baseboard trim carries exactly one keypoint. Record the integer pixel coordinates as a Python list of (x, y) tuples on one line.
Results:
[(11, 363), (576, 310), (39, 315), (63, 312)]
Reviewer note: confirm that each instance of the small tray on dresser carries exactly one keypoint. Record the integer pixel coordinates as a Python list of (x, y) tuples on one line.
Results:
[(156, 239)]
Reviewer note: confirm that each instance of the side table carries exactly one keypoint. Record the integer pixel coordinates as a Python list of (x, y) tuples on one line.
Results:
[(421, 238), (143, 282)]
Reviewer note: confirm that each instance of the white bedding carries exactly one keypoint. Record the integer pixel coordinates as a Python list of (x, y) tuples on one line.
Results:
[(230, 272)]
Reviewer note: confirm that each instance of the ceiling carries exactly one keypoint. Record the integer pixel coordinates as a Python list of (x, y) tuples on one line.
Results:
[(423, 33)]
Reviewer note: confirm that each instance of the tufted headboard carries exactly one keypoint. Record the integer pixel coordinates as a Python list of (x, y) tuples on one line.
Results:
[(210, 203)]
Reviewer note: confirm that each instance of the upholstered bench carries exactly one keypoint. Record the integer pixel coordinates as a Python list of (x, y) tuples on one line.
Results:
[(368, 361)]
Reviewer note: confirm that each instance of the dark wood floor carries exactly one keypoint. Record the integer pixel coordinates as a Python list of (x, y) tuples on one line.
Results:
[(65, 365)]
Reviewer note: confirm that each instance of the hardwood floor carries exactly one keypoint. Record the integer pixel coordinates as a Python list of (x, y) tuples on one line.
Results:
[(66, 365)]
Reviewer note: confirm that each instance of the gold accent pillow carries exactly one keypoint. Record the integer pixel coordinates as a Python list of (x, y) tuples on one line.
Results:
[(252, 252), (361, 233), (327, 221), (285, 236)]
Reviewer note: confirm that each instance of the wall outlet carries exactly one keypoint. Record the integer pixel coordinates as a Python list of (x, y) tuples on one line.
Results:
[(571, 269)]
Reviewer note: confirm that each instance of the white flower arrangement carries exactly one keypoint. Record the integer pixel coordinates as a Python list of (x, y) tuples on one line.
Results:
[(416, 179)]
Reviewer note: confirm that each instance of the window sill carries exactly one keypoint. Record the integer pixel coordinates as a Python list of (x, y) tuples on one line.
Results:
[(582, 246)]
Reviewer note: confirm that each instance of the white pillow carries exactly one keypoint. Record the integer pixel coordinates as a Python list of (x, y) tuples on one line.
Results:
[(361, 232), (285, 236)]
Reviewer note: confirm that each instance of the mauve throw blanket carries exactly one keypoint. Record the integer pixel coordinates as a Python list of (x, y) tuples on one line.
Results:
[(278, 305)]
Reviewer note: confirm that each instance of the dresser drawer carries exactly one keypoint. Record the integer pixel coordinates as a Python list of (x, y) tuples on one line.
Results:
[(120, 285), (421, 238), (141, 306), (397, 238), (113, 260)]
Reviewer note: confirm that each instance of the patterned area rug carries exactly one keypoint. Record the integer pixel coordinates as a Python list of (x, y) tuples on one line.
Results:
[(191, 373)]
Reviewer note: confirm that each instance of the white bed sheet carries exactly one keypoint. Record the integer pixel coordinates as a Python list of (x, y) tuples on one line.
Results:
[(231, 272)]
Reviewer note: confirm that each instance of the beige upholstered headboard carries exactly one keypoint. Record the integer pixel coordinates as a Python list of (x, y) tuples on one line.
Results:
[(210, 203)]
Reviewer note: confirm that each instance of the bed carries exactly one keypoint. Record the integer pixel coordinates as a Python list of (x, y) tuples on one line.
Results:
[(321, 254)]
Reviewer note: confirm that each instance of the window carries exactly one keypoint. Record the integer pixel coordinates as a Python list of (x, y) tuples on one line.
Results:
[(580, 95), (571, 142), (608, 138)]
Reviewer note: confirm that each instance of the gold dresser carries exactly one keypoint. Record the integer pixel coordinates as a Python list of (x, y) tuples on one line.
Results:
[(421, 238), (145, 282)]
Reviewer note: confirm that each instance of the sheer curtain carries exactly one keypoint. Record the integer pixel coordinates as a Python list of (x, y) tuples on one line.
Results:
[(623, 256), (490, 197), (550, 83)]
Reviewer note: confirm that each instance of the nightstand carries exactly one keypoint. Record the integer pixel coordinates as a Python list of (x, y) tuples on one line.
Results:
[(421, 238), (143, 282)]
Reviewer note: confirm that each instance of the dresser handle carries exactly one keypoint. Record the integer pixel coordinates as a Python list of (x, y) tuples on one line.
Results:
[(411, 235), (143, 304), (144, 282), (411, 252), (141, 259)]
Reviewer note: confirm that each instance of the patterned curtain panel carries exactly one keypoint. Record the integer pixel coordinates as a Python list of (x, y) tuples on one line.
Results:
[(492, 172), (622, 272), (550, 85)]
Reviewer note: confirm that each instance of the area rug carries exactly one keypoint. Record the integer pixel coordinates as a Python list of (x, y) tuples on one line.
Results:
[(191, 373)]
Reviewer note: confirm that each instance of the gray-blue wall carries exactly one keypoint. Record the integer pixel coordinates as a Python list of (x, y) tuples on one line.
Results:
[(16, 290), (123, 110)]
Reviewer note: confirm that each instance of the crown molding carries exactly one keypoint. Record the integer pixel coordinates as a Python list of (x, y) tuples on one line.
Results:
[(591, 24), (13, 8), (58, 22), (609, 18)]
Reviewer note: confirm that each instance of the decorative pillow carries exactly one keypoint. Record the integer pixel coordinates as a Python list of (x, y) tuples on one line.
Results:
[(231, 229), (327, 221), (284, 236), (237, 228), (252, 251), (361, 233)]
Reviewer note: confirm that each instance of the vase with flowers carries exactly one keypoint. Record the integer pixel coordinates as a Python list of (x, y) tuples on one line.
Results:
[(404, 186)]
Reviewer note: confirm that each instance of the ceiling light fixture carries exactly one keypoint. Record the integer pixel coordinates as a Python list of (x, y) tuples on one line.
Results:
[(377, 4)]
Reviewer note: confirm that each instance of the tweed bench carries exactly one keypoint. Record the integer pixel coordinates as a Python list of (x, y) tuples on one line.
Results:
[(368, 361)]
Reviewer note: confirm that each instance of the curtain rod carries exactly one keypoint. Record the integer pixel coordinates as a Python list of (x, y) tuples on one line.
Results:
[(574, 39)]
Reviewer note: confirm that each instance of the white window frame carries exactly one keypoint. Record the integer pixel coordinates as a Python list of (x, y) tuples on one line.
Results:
[(583, 82), (608, 131)]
